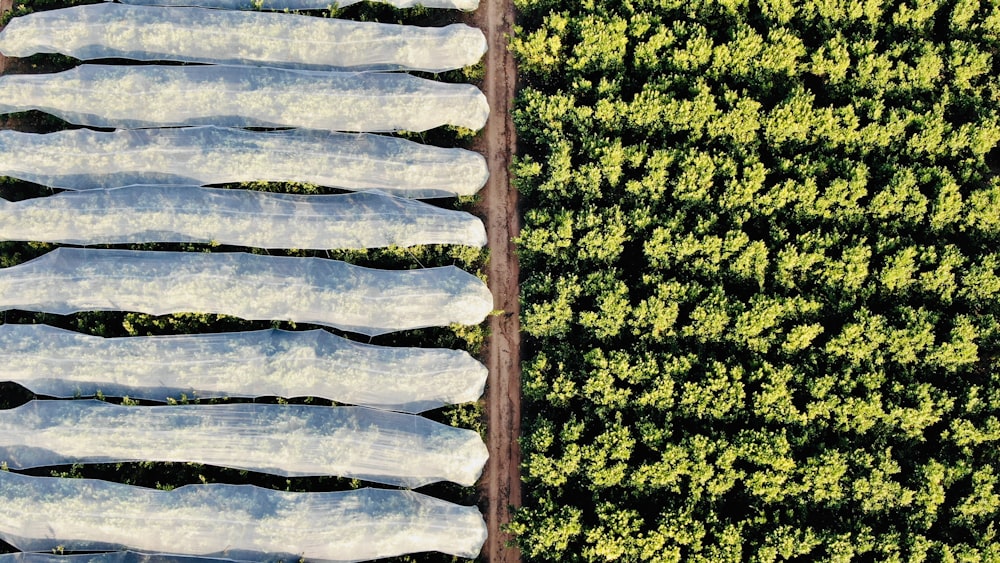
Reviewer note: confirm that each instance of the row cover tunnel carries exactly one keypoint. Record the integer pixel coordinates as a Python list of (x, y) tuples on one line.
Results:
[(154, 152)]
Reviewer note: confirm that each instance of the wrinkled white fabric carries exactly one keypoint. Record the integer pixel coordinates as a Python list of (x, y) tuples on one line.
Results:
[(85, 159), (399, 449), (250, 286), (238, 522), (135, 96), (467, 5), (140, 214), (148, 33), (61, 363), (106, 557)]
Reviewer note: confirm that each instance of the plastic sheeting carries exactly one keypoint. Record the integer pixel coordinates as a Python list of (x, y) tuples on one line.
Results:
[(146, 33), (290, 440), (249, 286), (84, 159), (155, 96), (467, 5), (106, 557), (238, 217), (61, 363), (233, 521)]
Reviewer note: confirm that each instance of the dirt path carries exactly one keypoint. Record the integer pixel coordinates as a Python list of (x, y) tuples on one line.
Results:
[(501, 483)]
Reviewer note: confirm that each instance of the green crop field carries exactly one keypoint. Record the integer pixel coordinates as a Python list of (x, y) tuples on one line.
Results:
[(760, 279)]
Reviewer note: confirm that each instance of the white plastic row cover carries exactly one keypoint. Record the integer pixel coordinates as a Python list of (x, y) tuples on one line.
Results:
[(467, 5), (250, 286), (394, 448), (238, 522), (178, 214), (85, 159), (106, 557), (61, 363), (237, 96), (119, 31)]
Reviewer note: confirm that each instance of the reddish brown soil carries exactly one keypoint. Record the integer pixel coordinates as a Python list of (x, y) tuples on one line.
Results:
[(501, 483)]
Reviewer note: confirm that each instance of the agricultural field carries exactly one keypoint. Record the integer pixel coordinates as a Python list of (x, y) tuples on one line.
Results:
[(759, 277), (760, 280)]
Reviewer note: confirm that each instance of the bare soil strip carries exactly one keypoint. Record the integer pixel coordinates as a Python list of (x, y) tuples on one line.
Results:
[(501, 483)]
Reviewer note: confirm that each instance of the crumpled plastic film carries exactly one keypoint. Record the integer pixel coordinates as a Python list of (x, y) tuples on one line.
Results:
[(250, 286), (105, 557), (85, 159), (239, 522), (148, 33), (139, 214), (467, 5), (393, 448), (135, 96), (60, 363)]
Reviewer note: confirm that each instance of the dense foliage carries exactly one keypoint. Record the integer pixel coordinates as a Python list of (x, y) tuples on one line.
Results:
[(761, 280)]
